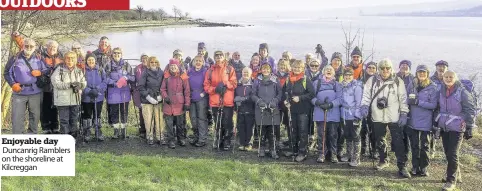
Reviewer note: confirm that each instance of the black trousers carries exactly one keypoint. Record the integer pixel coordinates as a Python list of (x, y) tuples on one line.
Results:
[(88, 111), (245, 123), (69, 119), (300, 127), (380, 132), (366, 135), (226, 122), (199, 122), (175, 127), (118, 111), (267, 132), (341, 140), (419, 142), (331, 137), (351, 131), (452, 142), (142, 128), (49, 114)]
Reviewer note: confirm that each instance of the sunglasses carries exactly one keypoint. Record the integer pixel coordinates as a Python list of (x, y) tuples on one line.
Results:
[(154, 62), (218, 55), (314, 66), (385, 68), (117, 53), (348, 74), (372, 67), (29, 46), (75, 48)]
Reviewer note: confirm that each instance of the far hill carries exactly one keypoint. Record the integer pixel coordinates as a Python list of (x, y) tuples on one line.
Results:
[(470, 12)]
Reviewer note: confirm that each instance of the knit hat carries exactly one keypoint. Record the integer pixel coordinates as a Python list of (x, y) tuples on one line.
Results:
[(174, 61), (201, 45), (89, 54), (336, 55), (423, 68), (407, 62), (218, 52), (442, 62), (356, 51), (264, 46), (348, 71), (144, 54), (76, 45), (371, 63), (309, 55), (177, 52)]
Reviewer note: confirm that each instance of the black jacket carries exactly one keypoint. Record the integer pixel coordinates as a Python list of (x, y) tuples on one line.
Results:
[(305, 94), (150, 84), (245, 90)]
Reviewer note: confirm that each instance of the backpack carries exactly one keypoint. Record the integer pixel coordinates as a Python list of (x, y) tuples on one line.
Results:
[(318, 85), (304, 82), (210, 72), (469, 86), (61, 72)]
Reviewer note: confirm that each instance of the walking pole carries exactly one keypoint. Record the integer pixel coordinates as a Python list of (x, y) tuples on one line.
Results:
[(370, 149), (220, 119), (290, 126), (125, 117), (95, 119), (260, 128), (81, 132), (324, 129), (272, 127), (235, 129)]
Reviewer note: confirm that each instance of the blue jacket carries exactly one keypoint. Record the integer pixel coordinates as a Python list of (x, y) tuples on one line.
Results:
[(421, 114), (17, 71), (96, 79), (330, 91), (351, 102)]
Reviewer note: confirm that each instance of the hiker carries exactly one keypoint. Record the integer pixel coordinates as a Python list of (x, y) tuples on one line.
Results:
[(21, 73), (68, 81), (455, 117), (267, 94), (177, 54), (312, 73), (150, 89), (326, 114), (287, 56), (437, 78), (199, 102), (337, 64), (308, 58), (407, 77), (245, 109), (237, 64), (366, 132), (136, 95), (255, 65), (284, 69), (356, 63), (298, 94), (320, 55), (351, 117), (80, 55), (119, 76), (385, 97), (103, 53), (219, 83), (201, 50), (176, 93), (422, 100), (265, 58), (93, 98)]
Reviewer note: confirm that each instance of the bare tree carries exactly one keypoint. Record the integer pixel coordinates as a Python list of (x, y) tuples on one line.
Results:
[(175, 10), (187, 15), (162, 13), (359, 37), (140, 10)]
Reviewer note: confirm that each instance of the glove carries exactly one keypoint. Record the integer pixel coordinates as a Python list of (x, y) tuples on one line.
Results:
[(261, 104), (238, 99), (151, 100), (318, 103), (468, 134), (167, 100), (159, 98), (272, 105), (121, 82), (328, 105), (238, 104), (16, 87), (287, 104), (186, 107), (220, 88), (93, 93), (403, 120), (36, 73), (364, 110), (75, 86), (188, 59), (413, 101)]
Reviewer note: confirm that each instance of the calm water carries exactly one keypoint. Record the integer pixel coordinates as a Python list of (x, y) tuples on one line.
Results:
[(421, 40)]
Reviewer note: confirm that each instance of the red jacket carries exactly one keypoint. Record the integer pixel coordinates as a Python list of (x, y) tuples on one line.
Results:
[(179, 92), (219, 74)]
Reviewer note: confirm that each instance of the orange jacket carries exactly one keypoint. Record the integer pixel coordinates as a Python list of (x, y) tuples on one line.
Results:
[(219, 73)]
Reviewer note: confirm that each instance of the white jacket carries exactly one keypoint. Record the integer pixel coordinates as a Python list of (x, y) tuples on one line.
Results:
[(397, 99), (63, 93)]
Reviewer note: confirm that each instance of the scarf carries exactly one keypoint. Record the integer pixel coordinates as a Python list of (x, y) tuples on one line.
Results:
[(295, 77)]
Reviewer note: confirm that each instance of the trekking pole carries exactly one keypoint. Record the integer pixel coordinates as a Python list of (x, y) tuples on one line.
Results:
[(221, 120), (290, 126), (235, 128), (125, 117), (81, 132), (370, 149), (272, 132), (95, 119), (324, 129), (215, 130), (259, 131)]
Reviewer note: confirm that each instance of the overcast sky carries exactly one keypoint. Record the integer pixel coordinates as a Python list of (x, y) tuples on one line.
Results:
[(201, 8)]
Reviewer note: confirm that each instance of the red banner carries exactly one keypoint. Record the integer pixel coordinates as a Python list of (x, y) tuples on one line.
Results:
[(64, 5)]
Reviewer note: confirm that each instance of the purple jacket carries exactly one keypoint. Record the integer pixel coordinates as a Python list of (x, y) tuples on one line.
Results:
[(136, 95), (421, 114), (17, 71), (351, 101), (96, 79), (437, 82), (331, 92), (270, 60), (196, 80), (114, 72), (456, 109)]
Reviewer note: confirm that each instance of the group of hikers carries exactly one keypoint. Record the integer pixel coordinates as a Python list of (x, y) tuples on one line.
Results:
[(345, 106)]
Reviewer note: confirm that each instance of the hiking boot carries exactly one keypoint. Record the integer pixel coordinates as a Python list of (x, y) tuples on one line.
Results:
[(242, 148), (193, 142), (182, 142), (448, 186), (163, 141), (150, 142), (320, 159), (404, 173), (274, 155), (345, 159), (300, 157), (382, 165), (248, 148), (200, 144), (334, 160), (55, 131), (123, 131), (172, 145), (288, 154), (99, 136), (142, 135), (424, 172), (354, 163), (414, 171), (261, 152), (116, 132), (48, 131)]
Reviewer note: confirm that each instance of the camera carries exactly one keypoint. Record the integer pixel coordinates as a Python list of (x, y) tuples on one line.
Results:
[(382, 103)]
